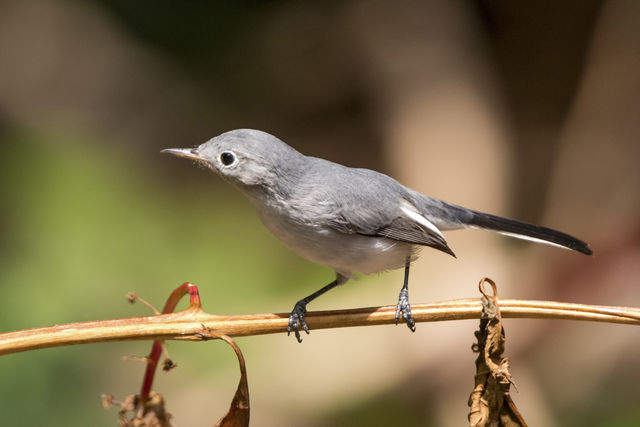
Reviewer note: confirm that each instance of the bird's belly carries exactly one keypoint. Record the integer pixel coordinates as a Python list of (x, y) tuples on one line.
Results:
[(345, 253)]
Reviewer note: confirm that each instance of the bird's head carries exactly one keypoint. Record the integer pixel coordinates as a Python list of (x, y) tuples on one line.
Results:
[(245, 157)]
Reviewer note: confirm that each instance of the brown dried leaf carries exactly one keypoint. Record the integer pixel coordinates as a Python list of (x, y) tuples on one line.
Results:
[(168, 365), (132, 415), (238, 415), (490, 403)]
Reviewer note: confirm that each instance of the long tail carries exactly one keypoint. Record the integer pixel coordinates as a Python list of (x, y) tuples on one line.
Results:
[(523, 230)]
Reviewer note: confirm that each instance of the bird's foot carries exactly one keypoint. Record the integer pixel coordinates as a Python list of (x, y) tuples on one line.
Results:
[(296, 320), (405, 308)]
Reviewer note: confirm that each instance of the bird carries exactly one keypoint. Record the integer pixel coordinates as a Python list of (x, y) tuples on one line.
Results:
[(352, 220)]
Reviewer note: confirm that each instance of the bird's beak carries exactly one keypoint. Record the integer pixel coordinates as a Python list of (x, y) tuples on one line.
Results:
[(187, 153)]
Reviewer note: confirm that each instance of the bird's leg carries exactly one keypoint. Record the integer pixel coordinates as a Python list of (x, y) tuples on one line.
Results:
[(296, 319), (403, 300)]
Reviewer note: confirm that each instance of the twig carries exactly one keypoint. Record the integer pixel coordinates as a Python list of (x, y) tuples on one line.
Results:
[(190, 323), (158, 347)]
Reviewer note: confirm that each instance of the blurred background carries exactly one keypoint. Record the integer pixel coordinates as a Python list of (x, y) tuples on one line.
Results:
[(529, 110)]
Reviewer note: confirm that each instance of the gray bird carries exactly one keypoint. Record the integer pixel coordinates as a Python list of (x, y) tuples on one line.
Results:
[(352, 220)]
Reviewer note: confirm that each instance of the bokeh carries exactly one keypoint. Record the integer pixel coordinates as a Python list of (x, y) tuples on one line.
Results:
[(524, 110)]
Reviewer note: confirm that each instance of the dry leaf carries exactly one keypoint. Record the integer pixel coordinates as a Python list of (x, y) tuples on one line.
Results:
[(490, 403), (238, 415)]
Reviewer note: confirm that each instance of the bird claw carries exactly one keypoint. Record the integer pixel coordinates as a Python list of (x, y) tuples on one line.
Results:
[(404, 307), (297, 319)]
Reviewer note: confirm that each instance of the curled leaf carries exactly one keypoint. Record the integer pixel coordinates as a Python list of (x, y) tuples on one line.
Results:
[(490, 403), (238, 414)]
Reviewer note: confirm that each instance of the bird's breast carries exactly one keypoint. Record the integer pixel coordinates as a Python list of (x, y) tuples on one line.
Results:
[(346, 253)]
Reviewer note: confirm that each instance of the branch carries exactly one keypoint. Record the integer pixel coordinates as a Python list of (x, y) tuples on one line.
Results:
[(195, 324)]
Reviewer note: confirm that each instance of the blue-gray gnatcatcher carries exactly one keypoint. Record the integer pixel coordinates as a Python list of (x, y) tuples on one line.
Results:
[(352, 220)]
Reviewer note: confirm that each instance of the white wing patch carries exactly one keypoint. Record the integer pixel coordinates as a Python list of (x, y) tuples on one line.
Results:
[(413, 213)]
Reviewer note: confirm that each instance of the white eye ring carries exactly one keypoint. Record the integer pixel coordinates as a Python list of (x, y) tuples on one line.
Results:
[(227, 158)]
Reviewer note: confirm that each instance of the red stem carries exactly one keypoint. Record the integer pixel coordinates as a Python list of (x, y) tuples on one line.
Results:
[(156, 350)]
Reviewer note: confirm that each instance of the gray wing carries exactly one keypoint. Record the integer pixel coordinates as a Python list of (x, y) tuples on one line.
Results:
[(394, 224), (372, 204), (411, 229)]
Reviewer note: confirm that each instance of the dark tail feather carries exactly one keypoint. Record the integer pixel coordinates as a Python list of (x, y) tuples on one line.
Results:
[(524, 230)]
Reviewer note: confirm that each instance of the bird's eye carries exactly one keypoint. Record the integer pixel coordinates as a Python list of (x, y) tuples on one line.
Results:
[(227, 158)]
